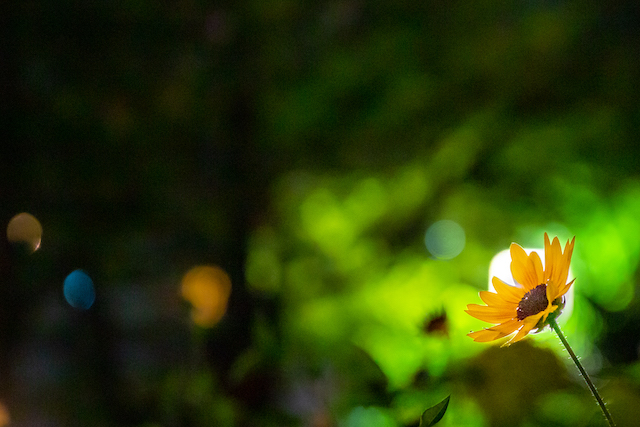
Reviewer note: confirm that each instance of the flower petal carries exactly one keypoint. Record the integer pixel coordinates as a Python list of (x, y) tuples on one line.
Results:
[(490, 314), (496, 332), (495, 300), (508, 293), (485, 335), (537, 265), (566, 260), (528, 324), (563, 289), (552, 257), (556, 262), (552, 292), (526, 269), (507, 327)]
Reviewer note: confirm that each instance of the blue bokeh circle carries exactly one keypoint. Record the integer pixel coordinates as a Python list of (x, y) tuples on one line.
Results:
[(78, 290)]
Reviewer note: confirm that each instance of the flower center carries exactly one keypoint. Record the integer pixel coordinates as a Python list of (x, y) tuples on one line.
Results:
[(533, 302)]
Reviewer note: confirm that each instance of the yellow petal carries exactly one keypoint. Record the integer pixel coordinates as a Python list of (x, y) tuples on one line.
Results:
[(519, 261), (563, 290), (486, 314), (556, 262), (526, 269), (537, 267), (566, 262), (494, 300), (552, 291), (488, 309), (486, 335), (528, 324), (507, 327), (508, 293)]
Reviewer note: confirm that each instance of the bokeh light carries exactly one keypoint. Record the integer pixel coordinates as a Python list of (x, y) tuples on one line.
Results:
[(78, 290), (207, 289), (445, 239), (25, 230), (5, 418)]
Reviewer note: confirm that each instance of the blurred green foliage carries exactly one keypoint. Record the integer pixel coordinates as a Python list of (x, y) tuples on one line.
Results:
[(306, 147)]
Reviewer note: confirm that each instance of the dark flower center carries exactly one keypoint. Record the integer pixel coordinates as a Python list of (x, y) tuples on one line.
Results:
[(533, 302)]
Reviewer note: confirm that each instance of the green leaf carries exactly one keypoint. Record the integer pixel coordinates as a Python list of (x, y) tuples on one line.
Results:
[(431, 416)]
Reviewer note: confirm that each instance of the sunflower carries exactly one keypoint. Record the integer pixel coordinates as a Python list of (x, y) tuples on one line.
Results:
[(539, 294)]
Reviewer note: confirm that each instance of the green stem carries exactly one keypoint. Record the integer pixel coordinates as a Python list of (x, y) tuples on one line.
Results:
[(592, 386)]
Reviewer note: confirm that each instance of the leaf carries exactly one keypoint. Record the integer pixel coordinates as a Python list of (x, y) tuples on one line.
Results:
[(434, 414)]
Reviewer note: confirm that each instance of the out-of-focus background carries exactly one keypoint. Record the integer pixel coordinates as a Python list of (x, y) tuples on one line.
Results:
[(283, 208)]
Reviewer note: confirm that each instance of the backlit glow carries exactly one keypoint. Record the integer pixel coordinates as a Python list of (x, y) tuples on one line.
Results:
[(500, 267)]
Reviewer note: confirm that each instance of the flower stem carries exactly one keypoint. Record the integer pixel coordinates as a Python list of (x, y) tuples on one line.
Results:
[(592, 386)]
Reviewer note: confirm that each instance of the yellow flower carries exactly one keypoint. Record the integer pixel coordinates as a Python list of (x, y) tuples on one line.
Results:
[(539, 294)]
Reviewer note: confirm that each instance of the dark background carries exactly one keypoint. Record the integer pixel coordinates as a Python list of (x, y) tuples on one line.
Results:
[(305, 148)]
